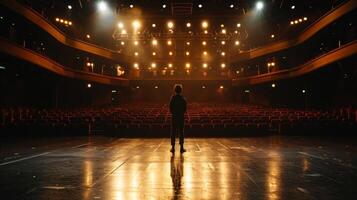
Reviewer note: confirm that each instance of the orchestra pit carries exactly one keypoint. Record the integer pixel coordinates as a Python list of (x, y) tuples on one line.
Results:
[(178, 99)]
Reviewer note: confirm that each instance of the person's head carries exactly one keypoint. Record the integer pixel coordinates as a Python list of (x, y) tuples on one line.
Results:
[(178, 88)]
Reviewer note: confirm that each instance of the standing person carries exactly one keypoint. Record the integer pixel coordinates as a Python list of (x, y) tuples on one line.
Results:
[(178, 107)]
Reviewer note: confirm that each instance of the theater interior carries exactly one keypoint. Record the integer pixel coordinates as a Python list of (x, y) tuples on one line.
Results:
[(270, 85)]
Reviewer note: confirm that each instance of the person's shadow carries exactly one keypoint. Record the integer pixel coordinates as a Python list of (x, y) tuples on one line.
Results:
[(176, 174)]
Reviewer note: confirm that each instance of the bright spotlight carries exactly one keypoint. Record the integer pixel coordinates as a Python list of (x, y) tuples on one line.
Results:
[(204, 43), (187, 65), (154, 42), (187, 53), (236, 42), (204, 65), (169, 42), (259, 5), (188, 25), (164, 6), (153, 25), (136, 65), (200, 5), (136, 24), (170, 53), (102, 6), (204, 24), (170, 65), (69, 7), (231, 6), (120, 25), (153, 65), (273, 85), (89, 85), (170, 25), (223, 65)]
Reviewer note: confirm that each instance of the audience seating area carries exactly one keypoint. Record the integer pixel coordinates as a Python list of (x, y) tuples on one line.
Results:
[(202, 119)]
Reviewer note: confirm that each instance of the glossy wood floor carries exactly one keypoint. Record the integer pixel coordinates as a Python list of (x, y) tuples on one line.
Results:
[(212, 168)]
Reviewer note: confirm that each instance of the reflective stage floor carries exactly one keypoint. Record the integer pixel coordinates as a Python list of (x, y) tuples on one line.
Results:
[(212, 168)]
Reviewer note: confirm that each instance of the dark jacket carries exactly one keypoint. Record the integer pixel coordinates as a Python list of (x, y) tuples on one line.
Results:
[(178, 105)]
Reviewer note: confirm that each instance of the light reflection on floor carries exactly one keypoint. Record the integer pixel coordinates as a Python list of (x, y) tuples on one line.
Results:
[(225, 168)]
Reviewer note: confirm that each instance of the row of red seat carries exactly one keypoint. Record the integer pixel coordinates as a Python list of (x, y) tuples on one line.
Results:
[(201, 117)]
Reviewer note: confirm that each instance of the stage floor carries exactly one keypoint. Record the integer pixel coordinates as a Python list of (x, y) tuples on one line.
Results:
[(212, 168)]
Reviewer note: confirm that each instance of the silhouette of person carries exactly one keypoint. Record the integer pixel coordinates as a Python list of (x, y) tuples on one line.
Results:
[(178, 106), (176, 173)]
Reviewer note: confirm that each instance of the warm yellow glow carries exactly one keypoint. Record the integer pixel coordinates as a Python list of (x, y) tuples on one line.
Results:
[(122, 43), (206, 32), (222, 25), (273, 85), (154, 42), (136, 53), (204, 24), (70, 23), (153, 65), (236, 42), (170, 65), (153, 25), (188, 43), (223, 53), (136, 43), (223, 42), (221, 87), (169, 42), (204, 65), (120, 25), (205, 53), (88, 36), (136, 24), (223, 65), (170, 53), (170, 24), (187, 53), (300, 20), (61, 20), (292, 23), (296, 21), (123, 31), (187, 65), (154, 53), (238, 25), (272, 36), (305, 18), (89, 85), (57, 19), (223, 31), (204, 43), (273, 64), (136, 65), (188, 25)]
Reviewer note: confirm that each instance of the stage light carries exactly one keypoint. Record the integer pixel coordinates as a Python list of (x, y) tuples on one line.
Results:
[(272, 64), (188, 24), (223, 31), (137, 87), (272, 35), (57, 19), (170, 24), (120, 25), (204, 43), (169, 42), (259, 5), (65, 22), (247, 91), (223, 42), (188, 43), (238, 25), (231, 6), (187, 65), (292, 7), (273, 85), (136, 43), (187, 53), (205, 53), (205, 32), (204, 24), (89, 85), (102, 6), (154, 42), (222, 25), (200, 5), (164, 6), (153, 65), (170, 65), (300, 20), (122, 43), (154, 53), (69, 7), (223, 65), (236, 42), (303, 91), (170, 53), (136, 24), (305, 18), (204, 65), (123, 32), (223, 53), (292, 23), (237, 72), (136, 53), (296, 21), (136, 65), (221, 87), (88, 36), (156, 87), (131, 6), (153, 25)]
